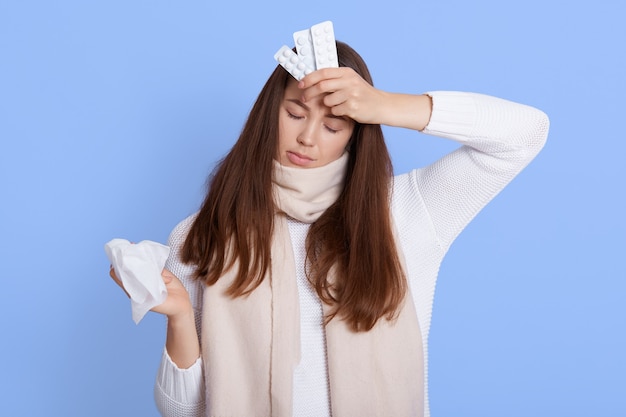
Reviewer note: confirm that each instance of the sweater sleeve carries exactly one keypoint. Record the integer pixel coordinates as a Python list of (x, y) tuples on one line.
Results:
[(180, 392), (499, 139)]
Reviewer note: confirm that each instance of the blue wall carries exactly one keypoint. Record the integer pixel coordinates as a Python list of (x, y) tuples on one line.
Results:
[(113, 113)]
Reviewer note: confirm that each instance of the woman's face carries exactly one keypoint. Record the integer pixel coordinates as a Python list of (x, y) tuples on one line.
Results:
[(309, 136)]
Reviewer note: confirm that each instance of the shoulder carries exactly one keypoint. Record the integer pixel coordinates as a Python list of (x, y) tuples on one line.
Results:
[(179, 233), (403, 185), (405, 195)]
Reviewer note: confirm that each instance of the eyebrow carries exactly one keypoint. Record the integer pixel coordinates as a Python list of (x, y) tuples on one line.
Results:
[(307, 108)]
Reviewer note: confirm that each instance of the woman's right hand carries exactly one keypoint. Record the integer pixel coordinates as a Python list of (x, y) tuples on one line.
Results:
[(181, 342), (177, 302)]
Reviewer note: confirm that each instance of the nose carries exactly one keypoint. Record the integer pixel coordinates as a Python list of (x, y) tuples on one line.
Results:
[(307, 135), (305, 140)]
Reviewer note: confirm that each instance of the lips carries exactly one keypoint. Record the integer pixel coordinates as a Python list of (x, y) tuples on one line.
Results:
[(299, 159)]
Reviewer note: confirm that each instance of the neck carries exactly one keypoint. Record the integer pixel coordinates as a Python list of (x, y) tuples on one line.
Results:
[(305, 193)]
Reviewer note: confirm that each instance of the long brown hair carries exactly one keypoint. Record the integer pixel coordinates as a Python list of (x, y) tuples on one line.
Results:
[(354, 236)]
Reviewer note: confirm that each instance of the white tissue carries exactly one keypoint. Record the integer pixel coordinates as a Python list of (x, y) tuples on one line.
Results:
[(139, 267)]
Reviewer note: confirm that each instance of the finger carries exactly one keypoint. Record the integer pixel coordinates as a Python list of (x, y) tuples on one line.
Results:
[(319, 75), (343, 109), (312, 92), (324, 87), (113, 275), (335, 98), (117, 280), (344, 73), (167, 276)]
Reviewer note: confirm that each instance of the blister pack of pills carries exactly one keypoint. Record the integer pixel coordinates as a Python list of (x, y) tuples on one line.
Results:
[(292, 62), (315, 47), (324, 45)]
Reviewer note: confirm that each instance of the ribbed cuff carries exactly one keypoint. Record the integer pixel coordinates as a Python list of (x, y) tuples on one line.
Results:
[(184, 386), (453, 114)]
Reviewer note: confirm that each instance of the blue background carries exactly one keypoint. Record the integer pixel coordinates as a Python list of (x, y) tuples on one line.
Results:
[(113, 113)]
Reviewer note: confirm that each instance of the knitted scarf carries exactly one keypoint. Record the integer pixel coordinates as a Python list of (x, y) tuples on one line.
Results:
[(251, 344)]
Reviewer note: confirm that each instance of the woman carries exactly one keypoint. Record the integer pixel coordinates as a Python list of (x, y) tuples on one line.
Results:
[(304, 284)]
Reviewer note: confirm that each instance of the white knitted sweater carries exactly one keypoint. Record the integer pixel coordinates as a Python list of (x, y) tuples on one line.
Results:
[(430, 207)]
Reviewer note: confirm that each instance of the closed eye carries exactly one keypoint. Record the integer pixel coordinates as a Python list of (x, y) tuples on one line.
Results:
[(293, 116), (331, 130)]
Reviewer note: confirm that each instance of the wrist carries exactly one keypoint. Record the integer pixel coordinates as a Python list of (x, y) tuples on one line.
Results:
[(425, 111), (182, 339), (411, 111), (181, 318)]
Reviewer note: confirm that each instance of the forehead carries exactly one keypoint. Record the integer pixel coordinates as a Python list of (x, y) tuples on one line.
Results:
[(292, 89), (293, 93)]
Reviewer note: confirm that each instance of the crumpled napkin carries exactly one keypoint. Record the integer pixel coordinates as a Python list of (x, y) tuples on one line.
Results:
[(139, 267)]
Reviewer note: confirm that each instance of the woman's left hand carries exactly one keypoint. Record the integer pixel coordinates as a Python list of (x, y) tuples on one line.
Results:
[(347, 94)]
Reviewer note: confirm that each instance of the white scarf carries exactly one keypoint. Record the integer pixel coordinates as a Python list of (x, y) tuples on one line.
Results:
[(305, 193), (251, 344)]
